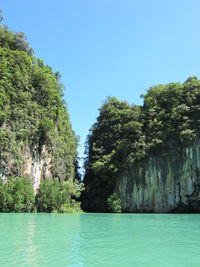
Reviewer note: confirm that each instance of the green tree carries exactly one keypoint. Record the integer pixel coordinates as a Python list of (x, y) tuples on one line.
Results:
[(113, 203), (124, 135), (55, 196), (32, 109), (16, 195)]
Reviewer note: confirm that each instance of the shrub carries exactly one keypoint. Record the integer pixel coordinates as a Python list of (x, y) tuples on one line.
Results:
[(55, 196), (16, 195), (114, 203)]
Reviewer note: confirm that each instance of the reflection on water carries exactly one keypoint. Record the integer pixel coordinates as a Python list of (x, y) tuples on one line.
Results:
[(99, 240), (30, 253)]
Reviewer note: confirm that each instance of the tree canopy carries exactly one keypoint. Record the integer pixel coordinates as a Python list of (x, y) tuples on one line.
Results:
[(32, 109), (124, 135)]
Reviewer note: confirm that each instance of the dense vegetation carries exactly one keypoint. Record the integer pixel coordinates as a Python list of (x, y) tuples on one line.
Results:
[(16, 195), (124, 135), (32, 110), (58, 196), (33, 114)]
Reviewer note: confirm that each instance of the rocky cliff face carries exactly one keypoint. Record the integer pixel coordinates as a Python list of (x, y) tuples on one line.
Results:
[(36, 165), (163, 183), (36, 137)]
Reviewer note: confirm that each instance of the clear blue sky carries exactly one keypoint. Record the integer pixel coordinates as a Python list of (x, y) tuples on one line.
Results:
[(109, 47)]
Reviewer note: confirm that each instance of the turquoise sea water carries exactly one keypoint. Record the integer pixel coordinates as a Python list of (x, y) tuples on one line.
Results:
[(100, 240)]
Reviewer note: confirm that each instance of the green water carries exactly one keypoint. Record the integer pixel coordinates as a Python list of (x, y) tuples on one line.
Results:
[(99, 240)]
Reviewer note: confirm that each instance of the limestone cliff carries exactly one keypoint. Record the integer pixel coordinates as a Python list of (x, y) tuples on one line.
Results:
[(36, 136), (36, 164), (146, 158), (167, 182)]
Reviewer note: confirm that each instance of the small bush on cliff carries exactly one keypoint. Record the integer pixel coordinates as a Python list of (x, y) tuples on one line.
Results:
[(55, 196), (114, 203), (16, 195)]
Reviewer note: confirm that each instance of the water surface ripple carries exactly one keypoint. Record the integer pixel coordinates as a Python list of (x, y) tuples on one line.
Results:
[(99, 240)]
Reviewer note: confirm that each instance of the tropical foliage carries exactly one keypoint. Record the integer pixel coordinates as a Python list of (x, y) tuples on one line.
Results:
[(125, 134), (33, 113), (16, 195), (55, 196), (32, 109)]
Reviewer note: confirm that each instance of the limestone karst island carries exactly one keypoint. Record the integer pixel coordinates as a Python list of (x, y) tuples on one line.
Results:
[(139, 158), (129, 194)]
